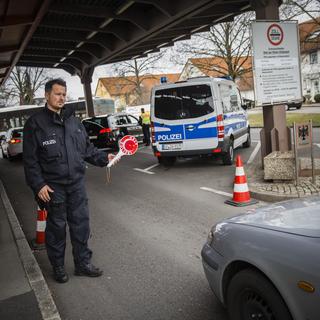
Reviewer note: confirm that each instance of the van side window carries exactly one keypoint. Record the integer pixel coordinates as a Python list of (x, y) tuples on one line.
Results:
[(225, 92), (183, 102), (235, 99)]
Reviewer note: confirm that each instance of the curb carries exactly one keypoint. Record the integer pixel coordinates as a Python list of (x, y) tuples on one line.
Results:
[(270, 197), (35, 277)]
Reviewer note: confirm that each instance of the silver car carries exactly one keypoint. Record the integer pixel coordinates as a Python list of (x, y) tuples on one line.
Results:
[(266, 264), (12, 144)]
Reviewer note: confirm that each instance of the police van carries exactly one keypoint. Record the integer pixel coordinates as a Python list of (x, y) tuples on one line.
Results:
[(199, 116)]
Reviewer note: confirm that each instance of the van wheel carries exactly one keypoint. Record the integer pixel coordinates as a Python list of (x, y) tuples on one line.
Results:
[(167, 161), (250, 295), (247, 144), (227, 158)]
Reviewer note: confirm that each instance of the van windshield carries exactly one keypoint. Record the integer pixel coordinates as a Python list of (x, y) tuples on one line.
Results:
[(183, 102)]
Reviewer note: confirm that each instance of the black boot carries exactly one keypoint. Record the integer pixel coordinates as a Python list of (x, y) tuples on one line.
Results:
[(60, 274), (87, 269)]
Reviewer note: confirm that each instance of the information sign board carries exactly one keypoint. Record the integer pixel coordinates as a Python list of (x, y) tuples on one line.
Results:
[(276, 62)]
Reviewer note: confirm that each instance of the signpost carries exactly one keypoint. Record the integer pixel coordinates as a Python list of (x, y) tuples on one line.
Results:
[(276, 62), (303, 139)]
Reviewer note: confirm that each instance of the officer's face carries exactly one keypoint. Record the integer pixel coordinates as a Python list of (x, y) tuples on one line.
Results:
[(56, 97)]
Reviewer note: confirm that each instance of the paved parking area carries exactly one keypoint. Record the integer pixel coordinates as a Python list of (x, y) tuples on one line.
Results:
[(148, 227)]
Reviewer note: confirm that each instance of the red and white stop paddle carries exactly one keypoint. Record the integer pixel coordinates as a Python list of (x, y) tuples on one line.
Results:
[(128, 145)]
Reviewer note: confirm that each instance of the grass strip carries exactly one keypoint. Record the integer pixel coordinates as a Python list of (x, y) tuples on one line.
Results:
[(256, 120)]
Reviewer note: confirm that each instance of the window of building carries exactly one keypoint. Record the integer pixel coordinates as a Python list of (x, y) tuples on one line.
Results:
[(313, 57)]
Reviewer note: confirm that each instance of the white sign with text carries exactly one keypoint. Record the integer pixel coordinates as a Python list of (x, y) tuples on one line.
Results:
[(276, 62)]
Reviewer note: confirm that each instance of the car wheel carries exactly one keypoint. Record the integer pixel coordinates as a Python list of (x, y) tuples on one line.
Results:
[(167, 161), (247, 144), (287, 108), (10, 158), (4, 156), (299, 106), (227, 158), (250, 295)]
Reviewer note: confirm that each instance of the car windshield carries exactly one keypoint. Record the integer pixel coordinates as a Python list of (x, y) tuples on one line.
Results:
[(101, 121), (17, 134), (183, 102)]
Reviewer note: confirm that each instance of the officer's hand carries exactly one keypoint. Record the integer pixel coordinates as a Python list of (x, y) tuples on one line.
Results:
[(111, 156), (43, 194)]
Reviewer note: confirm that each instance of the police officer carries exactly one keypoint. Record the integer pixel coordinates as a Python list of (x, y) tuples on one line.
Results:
[(54, 150), (144, 121)]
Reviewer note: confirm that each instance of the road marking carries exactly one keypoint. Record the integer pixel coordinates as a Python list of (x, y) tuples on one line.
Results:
[(147, 170), (144, 171), (153, 166), (254, 153), (216, 191)]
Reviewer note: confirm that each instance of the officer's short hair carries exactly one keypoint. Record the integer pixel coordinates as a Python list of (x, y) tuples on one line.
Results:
[(48, 86)]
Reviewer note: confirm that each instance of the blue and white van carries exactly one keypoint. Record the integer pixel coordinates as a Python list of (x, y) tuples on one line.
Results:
[(200, 116)]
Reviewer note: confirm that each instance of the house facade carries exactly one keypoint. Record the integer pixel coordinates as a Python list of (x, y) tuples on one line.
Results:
[(309, 32), (217, 67), (123, 89)]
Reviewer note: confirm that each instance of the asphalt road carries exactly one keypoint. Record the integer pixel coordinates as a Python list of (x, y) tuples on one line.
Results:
[(148, 228), (147, 234)]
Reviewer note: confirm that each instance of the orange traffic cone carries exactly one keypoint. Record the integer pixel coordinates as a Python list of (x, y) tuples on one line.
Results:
[(241, 193), (39, 242)]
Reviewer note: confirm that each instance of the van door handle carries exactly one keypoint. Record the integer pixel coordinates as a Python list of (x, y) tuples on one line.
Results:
[(190, 128)]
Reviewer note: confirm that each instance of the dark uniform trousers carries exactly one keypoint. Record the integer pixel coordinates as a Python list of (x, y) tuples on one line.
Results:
[(68, 204), (146, 133)]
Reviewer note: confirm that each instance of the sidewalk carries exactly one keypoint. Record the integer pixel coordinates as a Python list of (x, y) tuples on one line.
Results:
[(278, 191), (23, 291)]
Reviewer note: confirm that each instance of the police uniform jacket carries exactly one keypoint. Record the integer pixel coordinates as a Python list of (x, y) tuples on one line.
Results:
[(55, 148)]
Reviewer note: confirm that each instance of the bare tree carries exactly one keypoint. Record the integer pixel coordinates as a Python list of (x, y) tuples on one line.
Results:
[(135, 72), (229, 41), (293, 9), (25, 81), (7, 96)]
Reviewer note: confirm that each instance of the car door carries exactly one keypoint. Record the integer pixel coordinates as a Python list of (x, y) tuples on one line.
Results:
[(134, 128), (92, 129)]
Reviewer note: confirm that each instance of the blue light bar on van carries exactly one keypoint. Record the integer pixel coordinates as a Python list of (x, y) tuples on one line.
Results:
[(226, 77), (163, 80)]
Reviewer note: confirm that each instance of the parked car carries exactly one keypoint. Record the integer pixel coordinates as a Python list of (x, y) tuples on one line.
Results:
[(294, 104), (2, 138), (12, 144), (265, 264), (105, 131)]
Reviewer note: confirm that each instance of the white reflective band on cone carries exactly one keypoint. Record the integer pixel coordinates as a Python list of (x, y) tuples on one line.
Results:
[(41, 226), (239, 171), (243, 187)]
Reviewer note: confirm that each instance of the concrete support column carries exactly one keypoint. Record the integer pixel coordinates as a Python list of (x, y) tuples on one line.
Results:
[(275, 136), (86, 80)]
